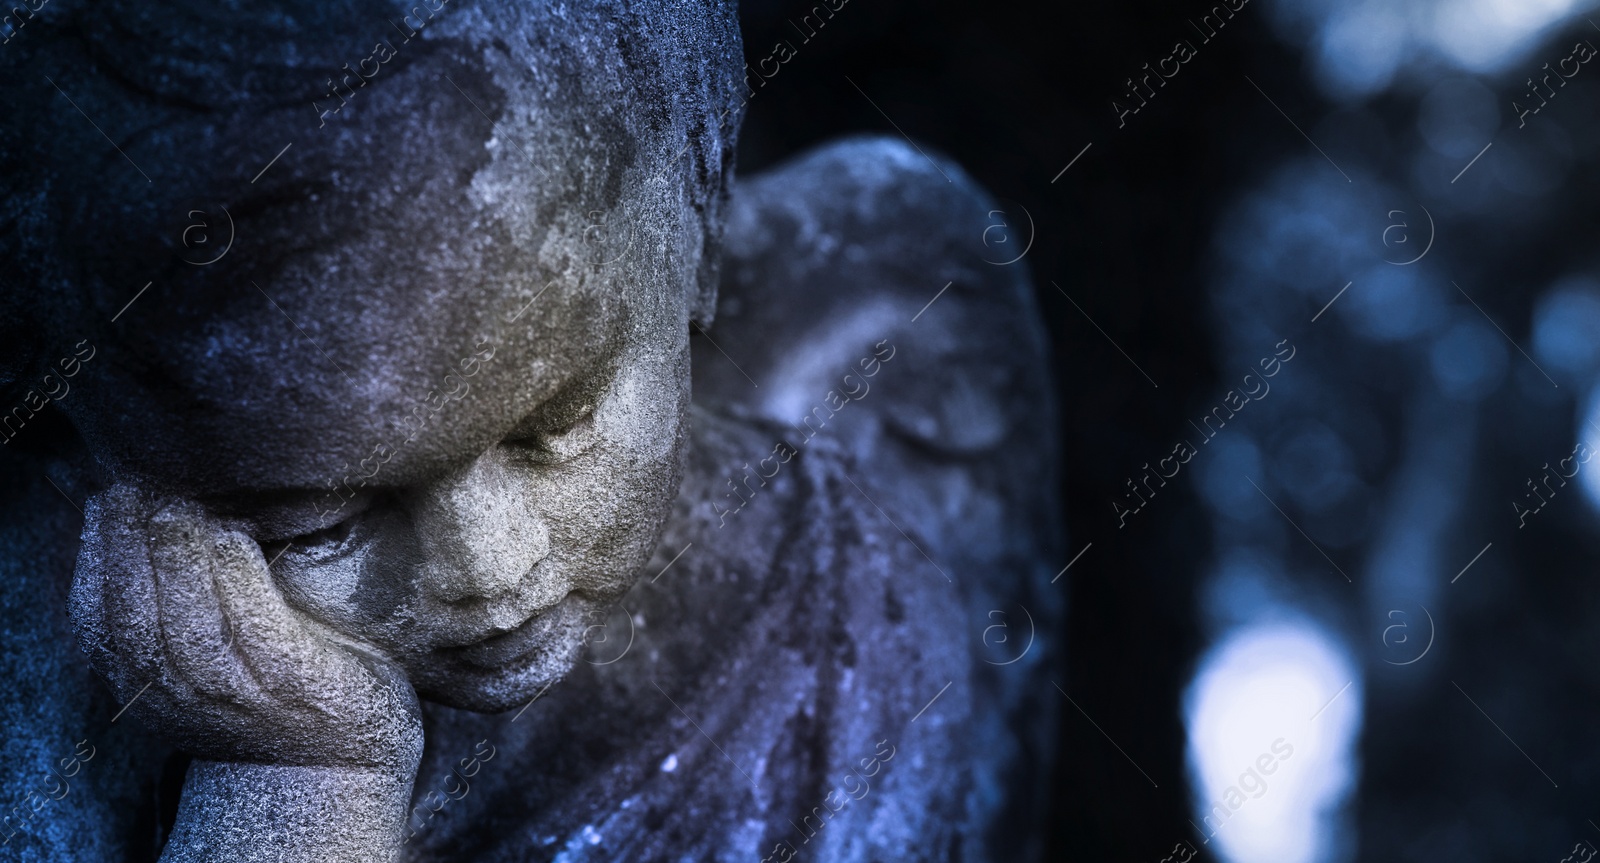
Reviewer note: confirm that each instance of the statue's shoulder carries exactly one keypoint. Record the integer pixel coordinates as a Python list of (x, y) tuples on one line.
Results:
[(875, 296), (807, 667), (766, 669)]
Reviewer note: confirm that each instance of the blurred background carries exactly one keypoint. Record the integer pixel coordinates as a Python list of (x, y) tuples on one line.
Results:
[(1339, 255)]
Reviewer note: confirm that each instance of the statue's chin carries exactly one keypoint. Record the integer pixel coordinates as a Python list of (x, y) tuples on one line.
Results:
[(508, 674)]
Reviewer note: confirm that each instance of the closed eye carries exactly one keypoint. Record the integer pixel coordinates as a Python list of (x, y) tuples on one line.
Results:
[(553, 445), (334, 541)]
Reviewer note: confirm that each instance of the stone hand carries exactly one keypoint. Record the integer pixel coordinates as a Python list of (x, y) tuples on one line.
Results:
[(178, 611)]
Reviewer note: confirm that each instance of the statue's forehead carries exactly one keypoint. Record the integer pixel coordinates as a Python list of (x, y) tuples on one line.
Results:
[(297, 391), (392, 268)]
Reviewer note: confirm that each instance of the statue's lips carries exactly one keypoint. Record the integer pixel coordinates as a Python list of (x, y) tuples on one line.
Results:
[(506, 648)]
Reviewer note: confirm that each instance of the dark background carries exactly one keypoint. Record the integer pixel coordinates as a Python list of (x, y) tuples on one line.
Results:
[(1012, 94)]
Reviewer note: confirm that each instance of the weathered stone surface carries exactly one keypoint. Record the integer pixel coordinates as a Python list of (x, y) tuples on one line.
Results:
[(503, 148), (370, 479), (797, 629), (867, 240)]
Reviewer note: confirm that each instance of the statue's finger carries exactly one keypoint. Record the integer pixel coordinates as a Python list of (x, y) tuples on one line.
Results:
[(114, 604), (197, 636), (283, 656)]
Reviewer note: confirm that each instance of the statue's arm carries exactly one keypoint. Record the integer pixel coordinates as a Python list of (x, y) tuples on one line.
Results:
[(238, 811), (305, 748)]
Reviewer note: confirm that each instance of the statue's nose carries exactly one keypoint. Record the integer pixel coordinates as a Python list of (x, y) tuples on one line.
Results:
[(479, 533)]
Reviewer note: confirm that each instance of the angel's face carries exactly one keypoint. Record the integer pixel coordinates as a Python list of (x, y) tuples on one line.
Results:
[(454, 460), (470, 531), (441, 376), (480, 580)]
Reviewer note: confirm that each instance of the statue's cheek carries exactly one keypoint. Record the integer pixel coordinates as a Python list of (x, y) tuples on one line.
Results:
[(370, 594), (644, 410), (389, 592)]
